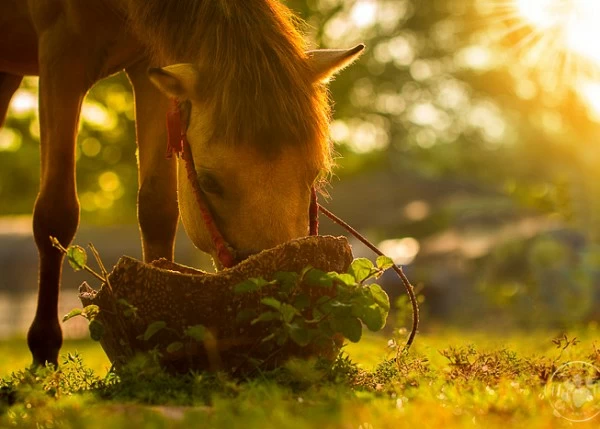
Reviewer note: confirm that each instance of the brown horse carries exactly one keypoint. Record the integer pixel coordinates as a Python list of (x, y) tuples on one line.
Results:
[(258, 124)]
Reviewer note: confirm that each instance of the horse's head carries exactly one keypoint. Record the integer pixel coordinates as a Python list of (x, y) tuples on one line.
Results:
[(258, 192)]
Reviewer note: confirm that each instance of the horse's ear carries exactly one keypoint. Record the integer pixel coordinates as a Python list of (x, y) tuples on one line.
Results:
[(327, 62), (178, 80)]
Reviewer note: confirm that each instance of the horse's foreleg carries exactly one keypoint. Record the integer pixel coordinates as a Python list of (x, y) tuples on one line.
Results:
[(8, 85), (63, 85), (158, 212)]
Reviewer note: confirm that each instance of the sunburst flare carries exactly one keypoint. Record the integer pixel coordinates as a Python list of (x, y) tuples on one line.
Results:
[(557, 40)]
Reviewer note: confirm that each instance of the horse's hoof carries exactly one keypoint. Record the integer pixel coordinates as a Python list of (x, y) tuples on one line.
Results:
[(44, 340)]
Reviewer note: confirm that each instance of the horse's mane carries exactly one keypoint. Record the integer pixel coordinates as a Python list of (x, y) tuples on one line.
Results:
[(252, 58)]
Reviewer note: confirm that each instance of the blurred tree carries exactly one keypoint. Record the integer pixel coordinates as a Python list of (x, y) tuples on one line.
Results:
[(106, 166), (447, 90)]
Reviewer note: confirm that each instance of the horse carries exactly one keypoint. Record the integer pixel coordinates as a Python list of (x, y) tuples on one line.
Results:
[(257, 122)]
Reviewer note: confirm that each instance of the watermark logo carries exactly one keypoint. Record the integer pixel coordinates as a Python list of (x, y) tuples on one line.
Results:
[(574, 391)]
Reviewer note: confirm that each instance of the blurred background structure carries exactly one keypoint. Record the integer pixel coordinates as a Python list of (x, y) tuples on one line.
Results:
[(468, 150)]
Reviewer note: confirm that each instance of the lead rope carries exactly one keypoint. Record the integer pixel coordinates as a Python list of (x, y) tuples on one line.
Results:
[(398, 270), (178, 144), (313, 213)]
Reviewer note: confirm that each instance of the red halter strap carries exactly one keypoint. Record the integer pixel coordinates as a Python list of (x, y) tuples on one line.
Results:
[(176, 130), (177, 124)]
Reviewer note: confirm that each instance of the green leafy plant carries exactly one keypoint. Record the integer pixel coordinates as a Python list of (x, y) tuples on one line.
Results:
[(77, 258), (195, 333), (90, 313), (348, 302)]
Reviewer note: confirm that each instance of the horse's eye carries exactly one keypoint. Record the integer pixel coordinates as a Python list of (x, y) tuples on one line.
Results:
[(209, 184)]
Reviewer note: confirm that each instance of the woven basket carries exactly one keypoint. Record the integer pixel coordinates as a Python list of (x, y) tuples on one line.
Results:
[(182, 296)]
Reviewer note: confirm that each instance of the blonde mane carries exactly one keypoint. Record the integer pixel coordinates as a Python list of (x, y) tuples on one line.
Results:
[(255, 77)]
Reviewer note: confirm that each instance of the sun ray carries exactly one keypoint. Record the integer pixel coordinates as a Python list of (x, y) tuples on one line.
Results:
[(556, 42)]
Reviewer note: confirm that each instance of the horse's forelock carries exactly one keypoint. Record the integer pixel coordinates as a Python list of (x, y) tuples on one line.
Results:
[(251, 57)]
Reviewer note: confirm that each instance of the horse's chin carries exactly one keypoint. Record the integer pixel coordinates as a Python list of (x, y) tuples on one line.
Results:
[(217, 262)]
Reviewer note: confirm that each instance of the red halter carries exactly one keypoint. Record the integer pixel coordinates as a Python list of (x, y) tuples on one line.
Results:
[(177, 124)]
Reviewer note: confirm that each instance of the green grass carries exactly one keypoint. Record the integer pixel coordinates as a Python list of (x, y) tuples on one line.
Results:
[(14, 355), (451, 379)]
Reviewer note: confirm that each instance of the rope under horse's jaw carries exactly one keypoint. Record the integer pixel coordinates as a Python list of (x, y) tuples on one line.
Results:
[(177, 125)]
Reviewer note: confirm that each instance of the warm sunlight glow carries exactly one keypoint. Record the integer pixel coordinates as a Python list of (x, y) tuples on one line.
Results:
[(23, 103), (555, 41), (572, 24), (583, 33), (364, 13), (402, 250), (542, 13), (590, 93)]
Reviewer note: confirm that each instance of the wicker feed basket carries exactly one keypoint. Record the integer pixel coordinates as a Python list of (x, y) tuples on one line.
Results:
[(178, 297)]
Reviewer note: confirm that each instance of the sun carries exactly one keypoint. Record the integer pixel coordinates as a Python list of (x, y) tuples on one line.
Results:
[(556, 41), (575, 23), (542, 13), (552, 34), (583, 34)]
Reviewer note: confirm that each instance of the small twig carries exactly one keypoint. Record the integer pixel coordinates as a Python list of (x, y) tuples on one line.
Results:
[(101, 265), (56, 244), (409, 288), (98, 260)]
